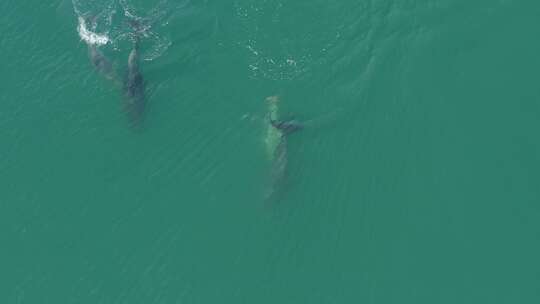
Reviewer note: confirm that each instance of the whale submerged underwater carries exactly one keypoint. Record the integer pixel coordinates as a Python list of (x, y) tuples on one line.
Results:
[(132, 84), (277, 131), (276, 138)]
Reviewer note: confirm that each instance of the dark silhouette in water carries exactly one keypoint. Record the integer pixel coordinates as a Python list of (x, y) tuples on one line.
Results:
[(133, 83), (98, 59), (100, 62), (134, 88), (286, 126)]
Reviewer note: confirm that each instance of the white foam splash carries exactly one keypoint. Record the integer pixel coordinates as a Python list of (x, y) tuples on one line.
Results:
[(89, 36)]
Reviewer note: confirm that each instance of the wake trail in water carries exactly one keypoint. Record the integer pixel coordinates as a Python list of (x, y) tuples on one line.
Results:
[(110, 22), (89, 36)]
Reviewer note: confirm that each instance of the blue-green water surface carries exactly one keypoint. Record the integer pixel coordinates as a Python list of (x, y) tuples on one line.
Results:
[(416, 180)]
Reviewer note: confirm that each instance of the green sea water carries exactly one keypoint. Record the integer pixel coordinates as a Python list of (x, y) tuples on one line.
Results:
[(418, 181)]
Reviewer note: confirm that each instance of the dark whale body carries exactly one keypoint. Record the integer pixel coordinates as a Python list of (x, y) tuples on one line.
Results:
[(132, 83), (100, 62), (134, 89)]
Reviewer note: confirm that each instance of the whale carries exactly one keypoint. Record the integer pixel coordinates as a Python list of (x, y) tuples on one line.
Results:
[(93, 41), (132, 83), (276, 146), (287, 126), (101, 63), (134, 96)]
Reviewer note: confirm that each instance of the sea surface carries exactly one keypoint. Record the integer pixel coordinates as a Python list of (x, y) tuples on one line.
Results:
[(416, 177)]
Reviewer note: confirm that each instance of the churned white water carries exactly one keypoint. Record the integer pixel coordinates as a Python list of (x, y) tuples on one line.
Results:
[(90, 37)]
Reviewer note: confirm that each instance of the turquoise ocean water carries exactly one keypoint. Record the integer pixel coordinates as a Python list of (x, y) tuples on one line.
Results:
[(415, 179)]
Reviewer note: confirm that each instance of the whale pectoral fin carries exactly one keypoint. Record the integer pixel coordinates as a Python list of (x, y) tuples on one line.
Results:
[(293, 126), (287, 126), (275, 123)]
